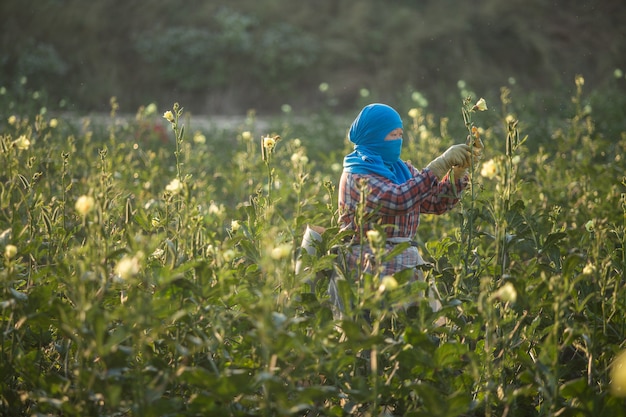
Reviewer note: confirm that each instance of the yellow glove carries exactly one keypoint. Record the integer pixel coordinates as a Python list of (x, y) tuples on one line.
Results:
[(455, 155), (477, 148)]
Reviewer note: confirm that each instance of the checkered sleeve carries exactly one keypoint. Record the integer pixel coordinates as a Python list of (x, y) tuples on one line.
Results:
[(422, 193), (445, 195)]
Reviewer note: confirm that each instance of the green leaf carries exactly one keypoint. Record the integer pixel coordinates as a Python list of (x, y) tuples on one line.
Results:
[(450, 355), (397, 250), (575, 389), (18, 295), (552, 239)]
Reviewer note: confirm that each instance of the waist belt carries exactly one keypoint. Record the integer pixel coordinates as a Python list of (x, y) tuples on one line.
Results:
[(396, 240), (391, 240)]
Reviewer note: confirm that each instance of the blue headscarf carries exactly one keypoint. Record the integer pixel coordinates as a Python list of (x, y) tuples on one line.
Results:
[(372, 154)]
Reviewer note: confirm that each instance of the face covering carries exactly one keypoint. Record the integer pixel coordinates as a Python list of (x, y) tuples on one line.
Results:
[(372, 154), (389, 150)]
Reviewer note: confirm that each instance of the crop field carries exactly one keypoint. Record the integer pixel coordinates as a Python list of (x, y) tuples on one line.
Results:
[(147, 268)]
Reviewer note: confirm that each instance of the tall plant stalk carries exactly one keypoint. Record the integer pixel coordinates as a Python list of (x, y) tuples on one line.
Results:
[(473, 140), (268, 146)]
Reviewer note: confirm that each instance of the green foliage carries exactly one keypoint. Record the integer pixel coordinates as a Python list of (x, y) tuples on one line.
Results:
[(41, 61), (284, 54), (230, 56), (198, 58), (148, 269)]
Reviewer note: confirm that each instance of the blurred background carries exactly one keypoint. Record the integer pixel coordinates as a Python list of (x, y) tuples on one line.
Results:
[(228, 56)]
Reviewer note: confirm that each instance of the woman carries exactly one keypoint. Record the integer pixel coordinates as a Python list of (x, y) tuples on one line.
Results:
[(394, 192)]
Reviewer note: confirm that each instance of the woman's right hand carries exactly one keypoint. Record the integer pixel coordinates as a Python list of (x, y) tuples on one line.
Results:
[(455, 155), (458, 155)]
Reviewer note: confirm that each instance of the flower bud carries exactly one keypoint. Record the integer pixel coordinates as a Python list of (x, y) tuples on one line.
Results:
[(10, 251)]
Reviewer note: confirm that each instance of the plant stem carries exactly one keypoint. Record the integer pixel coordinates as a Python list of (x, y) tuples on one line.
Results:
[(467, 118)]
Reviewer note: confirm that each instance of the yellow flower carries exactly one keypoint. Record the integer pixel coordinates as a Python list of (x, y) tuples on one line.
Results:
[(150, 109), (481, 105), (506, 293), (169, 116), (228, 255), (53, 123), (281, 251), (489, 169), (199, 138), (589, 269), (175, 186), (387, 283), (374, 237), (128, 267), (10, 251), (590, 226), (84, 204), (269, 142), (246, 135), (234, 225), (215, 208), (618, 375), (12, 119), (299, 158), (413, 113), (22, 143)]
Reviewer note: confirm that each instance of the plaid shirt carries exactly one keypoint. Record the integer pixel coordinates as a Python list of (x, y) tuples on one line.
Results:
[(397, 207)]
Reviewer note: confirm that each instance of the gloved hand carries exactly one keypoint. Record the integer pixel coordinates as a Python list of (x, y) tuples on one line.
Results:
[(477, 148), (455, 155)]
